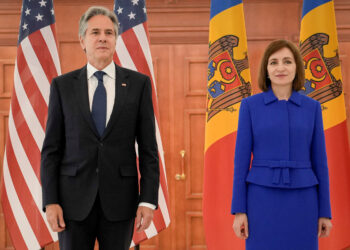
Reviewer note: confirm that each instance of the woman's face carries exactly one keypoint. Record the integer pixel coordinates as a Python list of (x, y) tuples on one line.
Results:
[(281, 68)]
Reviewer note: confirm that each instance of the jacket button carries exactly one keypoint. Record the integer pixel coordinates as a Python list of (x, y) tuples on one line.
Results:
[(101, 144), (97, 170)]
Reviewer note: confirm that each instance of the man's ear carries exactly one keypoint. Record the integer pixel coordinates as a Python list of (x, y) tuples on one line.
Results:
[(82, 43)]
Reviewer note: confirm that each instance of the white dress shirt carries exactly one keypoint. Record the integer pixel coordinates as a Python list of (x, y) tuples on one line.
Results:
[(109, 84)]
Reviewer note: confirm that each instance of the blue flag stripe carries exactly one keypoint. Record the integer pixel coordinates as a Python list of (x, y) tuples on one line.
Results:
[(217, 6), (309, 5)]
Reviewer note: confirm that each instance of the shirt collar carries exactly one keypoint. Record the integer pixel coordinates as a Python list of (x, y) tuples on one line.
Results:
[(270, 97), (109, 70)]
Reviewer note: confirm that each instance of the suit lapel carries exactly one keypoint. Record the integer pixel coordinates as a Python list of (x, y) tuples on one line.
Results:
[(121, 91), (81, 89)]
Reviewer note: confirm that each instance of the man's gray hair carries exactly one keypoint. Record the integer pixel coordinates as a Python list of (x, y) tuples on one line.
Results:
[(95, 11)]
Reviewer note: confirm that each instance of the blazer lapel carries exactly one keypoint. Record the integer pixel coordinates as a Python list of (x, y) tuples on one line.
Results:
[(81, 89), (121, 91)]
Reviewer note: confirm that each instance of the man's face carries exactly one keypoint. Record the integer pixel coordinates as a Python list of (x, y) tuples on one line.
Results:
[(99, 41)]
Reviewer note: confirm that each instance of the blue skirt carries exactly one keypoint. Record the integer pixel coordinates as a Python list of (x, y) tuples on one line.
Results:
[(282, 219)]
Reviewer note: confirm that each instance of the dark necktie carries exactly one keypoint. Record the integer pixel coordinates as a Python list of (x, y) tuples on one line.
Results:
[(99, 104)]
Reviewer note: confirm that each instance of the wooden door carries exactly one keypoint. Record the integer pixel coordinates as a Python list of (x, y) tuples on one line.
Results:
[(189, 76)]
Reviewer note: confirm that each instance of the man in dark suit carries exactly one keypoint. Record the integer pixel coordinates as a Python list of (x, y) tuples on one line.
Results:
[(88, 166)]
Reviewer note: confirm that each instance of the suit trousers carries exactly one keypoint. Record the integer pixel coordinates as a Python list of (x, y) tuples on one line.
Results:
[(109, 234)]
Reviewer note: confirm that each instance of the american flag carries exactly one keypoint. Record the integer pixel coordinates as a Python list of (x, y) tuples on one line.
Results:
[(133, 52), (36, 64)]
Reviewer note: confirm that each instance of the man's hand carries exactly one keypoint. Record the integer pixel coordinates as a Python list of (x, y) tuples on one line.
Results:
[(144, 216), (54, 216)]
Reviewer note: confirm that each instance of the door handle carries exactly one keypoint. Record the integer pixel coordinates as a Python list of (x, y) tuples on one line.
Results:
[(182, 176)]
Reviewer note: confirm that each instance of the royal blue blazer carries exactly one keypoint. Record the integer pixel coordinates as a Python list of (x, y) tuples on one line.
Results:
[(285, 140)]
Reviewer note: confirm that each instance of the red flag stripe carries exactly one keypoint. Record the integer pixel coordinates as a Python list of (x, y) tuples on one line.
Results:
[(31, 88), (12, 226), (138, 236), (32, 213), (116, 59), (27, 140), (158, 219), (338, 154), (43, 54), (219, 193)]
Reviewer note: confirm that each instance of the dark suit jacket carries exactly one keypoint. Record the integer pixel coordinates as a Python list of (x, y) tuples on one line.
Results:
[(77, 163)]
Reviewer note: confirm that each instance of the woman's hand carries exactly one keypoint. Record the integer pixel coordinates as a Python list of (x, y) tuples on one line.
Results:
[(240, 225), (324, 227)]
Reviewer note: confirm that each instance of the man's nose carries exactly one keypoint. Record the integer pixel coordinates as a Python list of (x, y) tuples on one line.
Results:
[(102, 37)]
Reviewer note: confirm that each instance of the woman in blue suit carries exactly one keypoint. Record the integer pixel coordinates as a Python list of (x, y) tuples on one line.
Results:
[(284, 195)]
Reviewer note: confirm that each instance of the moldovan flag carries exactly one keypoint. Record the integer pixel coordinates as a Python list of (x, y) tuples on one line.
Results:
[(36, 64), (323, 82), (133, 52), (228, 82)]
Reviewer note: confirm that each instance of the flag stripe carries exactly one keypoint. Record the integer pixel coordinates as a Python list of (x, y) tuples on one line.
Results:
[(163, 183), (25, 197), (48, 34), (310, 5), (138, 236), (43, 54), (135, 51), (27, 110), (116, 59), (151, 230), (140, 33), (30, 87), (319, 40), (36, 69), (15, 233), (226, 22), (24, 139), (163, 206), (161, 153), (123, 55), (218, 6), (19, 215), (158, 219), (30, 178)]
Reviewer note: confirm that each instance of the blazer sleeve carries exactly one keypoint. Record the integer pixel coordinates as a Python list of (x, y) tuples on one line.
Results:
[(244, 144), (319, 164), (147, 148), (52, 149)]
